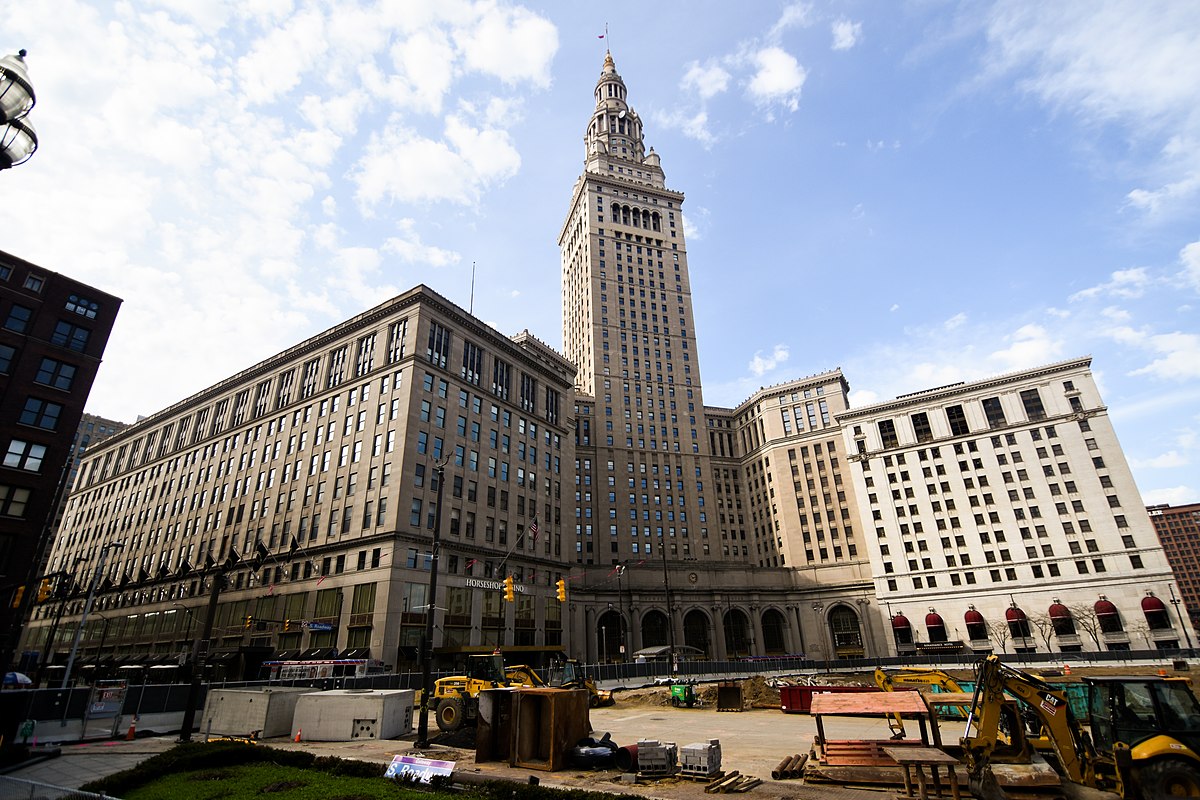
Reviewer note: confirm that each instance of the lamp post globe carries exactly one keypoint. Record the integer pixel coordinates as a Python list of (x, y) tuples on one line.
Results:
[(18, 139)]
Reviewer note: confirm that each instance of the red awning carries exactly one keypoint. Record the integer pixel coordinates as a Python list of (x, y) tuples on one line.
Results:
[(1059, 611), (901, 621), (1105, 608), (1014, 614), (934, 620), (973, 617), (1152, 603)]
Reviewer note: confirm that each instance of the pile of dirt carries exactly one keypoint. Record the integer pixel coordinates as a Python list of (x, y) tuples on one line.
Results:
[(757, 692), (651, 696)]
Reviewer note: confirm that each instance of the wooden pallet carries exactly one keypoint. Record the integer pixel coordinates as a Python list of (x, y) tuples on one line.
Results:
[(702, 777)]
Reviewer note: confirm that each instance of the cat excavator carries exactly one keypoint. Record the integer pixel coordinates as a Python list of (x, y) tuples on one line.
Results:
[(1143, 744), (456, 698)]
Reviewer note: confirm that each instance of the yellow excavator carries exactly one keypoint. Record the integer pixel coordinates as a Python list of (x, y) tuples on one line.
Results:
[(456, 698), (915, 676), (1144, 739)]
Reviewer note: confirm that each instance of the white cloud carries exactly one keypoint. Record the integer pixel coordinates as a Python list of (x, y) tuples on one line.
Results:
[(895, 307), (1179, 356), (795, 15), (512, 44), (400, 165), (707, 81), (862, 397), (760, 364), (1113, 62), (954, 322), (1127, 283), (1189, 259), (845, 34), (778, 78), (1167, 460), (1031, 345), (695, 126), (1173, 495), (695, 222)]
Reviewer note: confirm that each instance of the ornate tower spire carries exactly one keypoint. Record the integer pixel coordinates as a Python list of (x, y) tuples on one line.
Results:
[(614, 135)]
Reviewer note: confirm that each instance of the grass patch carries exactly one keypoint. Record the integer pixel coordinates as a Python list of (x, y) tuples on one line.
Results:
[(237, 771)]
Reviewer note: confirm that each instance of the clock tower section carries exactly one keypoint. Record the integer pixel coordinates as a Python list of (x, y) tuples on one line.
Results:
[(646, 483)]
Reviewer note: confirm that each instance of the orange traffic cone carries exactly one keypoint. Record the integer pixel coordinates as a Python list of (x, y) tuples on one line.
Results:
[(1162, 673), (298, 732), (129, 737), (1066, 669)]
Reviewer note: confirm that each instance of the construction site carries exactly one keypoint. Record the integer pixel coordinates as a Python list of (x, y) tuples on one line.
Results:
[(1125, 731)]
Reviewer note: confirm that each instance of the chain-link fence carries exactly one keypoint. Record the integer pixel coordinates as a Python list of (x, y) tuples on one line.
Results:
[(19, 789)]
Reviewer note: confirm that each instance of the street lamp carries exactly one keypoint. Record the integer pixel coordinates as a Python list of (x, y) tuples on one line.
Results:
[(1175, 601), (18, 140)]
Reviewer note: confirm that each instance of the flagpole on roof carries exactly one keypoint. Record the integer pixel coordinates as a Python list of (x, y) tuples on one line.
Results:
[(471, 306)]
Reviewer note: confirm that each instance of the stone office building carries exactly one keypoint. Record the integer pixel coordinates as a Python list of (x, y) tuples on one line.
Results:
[(1002, 515), (311, 475)]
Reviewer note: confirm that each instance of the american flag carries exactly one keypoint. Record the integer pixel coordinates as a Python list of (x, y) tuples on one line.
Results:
[(320, 580), (472, 562), (533, 529)]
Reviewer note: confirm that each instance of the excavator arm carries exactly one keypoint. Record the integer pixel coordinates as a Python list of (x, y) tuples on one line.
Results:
[(1049, 705)]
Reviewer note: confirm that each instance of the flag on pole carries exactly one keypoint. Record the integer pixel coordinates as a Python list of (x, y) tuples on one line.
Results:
[(601, 36), (320, 580), (533, 529), (294, 546), (472, 562), (271, 590)]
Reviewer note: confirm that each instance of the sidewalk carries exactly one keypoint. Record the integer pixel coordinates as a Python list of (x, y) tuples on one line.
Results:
[(82, 763)]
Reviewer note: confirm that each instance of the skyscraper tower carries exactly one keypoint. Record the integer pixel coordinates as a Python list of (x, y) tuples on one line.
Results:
[(643, 452)]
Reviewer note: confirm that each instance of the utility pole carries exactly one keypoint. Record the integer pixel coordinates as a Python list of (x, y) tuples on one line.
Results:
[(200, 653), (670, 614), (427, 642), (87, 608)]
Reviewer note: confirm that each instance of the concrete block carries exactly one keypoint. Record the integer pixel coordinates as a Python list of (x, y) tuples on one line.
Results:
[(342, 715), (261, 713)]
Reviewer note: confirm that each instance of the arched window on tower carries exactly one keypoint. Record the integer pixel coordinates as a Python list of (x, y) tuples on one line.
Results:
[(656, 221), (616, 213)]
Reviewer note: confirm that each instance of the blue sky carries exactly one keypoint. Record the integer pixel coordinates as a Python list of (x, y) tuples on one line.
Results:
[(918, 192)]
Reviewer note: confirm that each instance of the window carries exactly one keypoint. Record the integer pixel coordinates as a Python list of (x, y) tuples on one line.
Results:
[(71, 336), (82, 306), (34, 283), (472, 365), (397, 333), (501, 378), (957, 420), (6, 358), (41, 414), (13, 500), (56, 374), (1032, 401), (438, 351), (887, 433), (18, 318), (920, 423), (994, 412), (25, 455)]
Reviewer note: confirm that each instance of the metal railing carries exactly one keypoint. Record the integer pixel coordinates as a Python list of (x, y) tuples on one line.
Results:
[(20, 789)]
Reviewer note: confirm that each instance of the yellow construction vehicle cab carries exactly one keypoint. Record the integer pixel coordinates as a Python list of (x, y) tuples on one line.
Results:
[(455, 699), (1145, 731)]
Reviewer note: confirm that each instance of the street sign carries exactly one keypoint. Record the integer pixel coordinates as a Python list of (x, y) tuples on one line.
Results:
[(318, 626)]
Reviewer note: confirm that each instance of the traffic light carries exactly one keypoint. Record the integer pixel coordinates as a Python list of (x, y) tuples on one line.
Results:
[(562, 590), (44, 591), (287, 625), (508, 589), (249, 621), (17, 596)]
